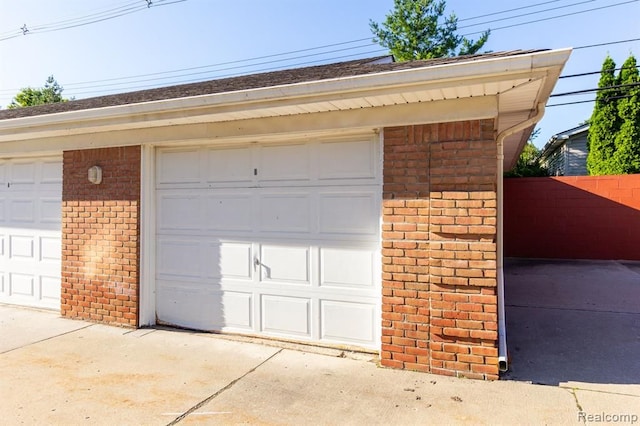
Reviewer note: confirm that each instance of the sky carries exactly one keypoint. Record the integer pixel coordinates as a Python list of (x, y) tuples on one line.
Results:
[(176, 41)]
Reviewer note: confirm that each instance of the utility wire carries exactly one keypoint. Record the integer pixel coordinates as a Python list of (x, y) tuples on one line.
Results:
[(129, 8), (273, 68), (582, 74), (526, 14), (589, 101), (508, 10), (278, 55), (597, 89), (553, 17)]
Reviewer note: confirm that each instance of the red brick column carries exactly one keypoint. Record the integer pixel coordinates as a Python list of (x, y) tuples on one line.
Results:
[(439, 249), (101, 236)]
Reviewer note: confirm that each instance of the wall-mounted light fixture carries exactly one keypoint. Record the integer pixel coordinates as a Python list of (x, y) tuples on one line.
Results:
[(95, 174)]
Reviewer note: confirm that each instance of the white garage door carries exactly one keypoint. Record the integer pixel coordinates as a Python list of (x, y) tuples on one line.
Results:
[(30, 231), (278, 240)]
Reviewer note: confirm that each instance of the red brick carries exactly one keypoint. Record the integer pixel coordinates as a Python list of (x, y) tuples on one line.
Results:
[(96, 220)]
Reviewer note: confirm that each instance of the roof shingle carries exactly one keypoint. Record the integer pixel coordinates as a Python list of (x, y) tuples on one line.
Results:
[(247, 82)]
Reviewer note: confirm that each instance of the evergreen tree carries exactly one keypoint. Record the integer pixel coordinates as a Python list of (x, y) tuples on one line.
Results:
[(604, 124), (627, 140), (416, 29)]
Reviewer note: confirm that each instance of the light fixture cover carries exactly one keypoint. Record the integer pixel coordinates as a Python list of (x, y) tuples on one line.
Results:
[(95, 174)]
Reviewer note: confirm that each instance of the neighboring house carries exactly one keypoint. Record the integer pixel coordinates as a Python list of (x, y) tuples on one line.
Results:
[(351, 204), (566, 153)]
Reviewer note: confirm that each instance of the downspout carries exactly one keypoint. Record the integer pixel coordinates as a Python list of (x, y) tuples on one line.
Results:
[(503, 361)]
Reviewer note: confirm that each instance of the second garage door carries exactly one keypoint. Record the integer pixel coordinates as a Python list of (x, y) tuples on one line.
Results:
[(277, 239), (30, 231)]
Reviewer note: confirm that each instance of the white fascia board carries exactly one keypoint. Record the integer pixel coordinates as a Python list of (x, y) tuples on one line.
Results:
[(455, 73)]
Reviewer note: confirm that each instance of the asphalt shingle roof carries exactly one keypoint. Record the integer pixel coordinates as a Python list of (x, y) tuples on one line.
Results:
[(246, 82)]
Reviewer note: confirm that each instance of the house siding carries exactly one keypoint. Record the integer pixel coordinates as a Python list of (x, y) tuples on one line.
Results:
[(439, 303), (577, 157), (101, 236)]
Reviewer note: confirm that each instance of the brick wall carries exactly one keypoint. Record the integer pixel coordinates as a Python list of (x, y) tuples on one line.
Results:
[(573, 217), (100, 236), (439, 249)]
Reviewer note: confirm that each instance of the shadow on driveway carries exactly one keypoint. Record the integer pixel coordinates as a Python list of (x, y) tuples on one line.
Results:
[(573, 321)]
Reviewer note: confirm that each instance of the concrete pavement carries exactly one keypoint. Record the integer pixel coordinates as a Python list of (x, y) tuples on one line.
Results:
[(63, 372)]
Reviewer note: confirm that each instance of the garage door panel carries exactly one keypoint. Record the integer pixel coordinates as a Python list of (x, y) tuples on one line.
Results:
[(178, 166), (286, 315), (22, 210), (230, 260), (21, 285), (179, 258), (229, 213), (229, 165), (188, 306), (23, 173), (50, 249), (237, 308), (51, 173), (21, 247), (179, 212), (347, 268), (348, 213), (284, 163), (346, 160), (50, 289), (285, 264), (285, 213), (348, 322), (50, 210)]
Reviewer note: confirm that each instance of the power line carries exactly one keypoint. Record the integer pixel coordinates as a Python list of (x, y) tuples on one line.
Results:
[(582, 74), (272, 68), (597, 89), (553, 17), (605, 44), (527, 14), (128, 8), (508, 10), (122, 82), (308, 63), (589, 101)]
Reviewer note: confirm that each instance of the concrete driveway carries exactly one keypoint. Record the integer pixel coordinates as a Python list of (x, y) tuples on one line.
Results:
[(59, 371), (575, 324)]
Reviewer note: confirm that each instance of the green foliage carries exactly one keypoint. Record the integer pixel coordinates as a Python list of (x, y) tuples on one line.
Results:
[(50, 93), (627, 140), (416, 29), (614, 133), (528, 164)]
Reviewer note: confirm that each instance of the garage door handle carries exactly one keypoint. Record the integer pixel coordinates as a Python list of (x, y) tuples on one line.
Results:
[(256, 263)]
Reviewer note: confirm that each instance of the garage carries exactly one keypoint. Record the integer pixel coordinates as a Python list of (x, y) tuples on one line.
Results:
[(30, 231), (271, 239), (354, 204)]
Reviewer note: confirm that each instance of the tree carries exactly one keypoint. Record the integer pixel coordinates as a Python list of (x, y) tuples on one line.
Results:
[(627, 140), (28, 96), (416, 29), (528, 164), (614, 133)]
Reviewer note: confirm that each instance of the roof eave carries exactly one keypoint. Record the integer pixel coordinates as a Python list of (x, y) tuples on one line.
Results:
[(154, 113)]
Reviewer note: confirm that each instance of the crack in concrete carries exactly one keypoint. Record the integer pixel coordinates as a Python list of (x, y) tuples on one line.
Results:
[(601, 391), (580, 410), (47, 338), (213, 396)]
